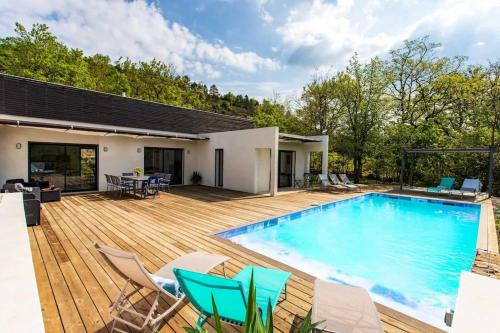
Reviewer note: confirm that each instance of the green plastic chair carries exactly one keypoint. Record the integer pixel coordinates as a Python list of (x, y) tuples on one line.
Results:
[(446, 184), (231, 294)]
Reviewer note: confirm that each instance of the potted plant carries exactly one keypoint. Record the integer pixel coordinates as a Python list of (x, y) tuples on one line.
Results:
[(138, 171), (196, 178)]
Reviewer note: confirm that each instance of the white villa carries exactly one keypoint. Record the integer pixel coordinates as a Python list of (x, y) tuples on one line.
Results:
[(72, 137)]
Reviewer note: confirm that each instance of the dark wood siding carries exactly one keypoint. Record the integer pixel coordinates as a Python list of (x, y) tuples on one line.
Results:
[(31, 98)]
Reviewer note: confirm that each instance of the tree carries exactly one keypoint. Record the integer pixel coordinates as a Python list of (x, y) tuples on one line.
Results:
[(39, 55), (414, 72), (214, 92), (359, 91), (272, 113), (492, 109), (319, 110), (105, 76)]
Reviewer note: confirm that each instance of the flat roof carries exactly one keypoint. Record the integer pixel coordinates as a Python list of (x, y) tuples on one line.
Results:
[(293, 137), (38, 99)]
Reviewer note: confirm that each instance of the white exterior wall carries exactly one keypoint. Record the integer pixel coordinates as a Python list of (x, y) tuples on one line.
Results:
[(250, 156), (122, 154), (242, 149)]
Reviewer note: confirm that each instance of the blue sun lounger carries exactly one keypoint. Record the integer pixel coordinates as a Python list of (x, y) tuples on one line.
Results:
[(445, 185)]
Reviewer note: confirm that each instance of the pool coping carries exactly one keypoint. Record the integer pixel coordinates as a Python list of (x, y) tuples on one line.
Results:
[(487, 240)]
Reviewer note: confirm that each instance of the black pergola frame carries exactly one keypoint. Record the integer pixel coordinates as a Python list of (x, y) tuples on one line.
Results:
[(490, 150)]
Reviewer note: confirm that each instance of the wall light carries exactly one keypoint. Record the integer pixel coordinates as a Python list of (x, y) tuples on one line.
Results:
[(19, 145), (188, 152), (105, 149), (139, 150)]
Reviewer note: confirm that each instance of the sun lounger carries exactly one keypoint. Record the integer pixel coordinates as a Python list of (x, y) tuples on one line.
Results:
[(471, 186), (325, 183), (336, 181), (345, 180), (344, 309), (445, 185), (231, 294), (162, 283)]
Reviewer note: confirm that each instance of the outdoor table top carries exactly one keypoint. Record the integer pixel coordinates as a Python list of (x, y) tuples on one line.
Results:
[(136, 178)]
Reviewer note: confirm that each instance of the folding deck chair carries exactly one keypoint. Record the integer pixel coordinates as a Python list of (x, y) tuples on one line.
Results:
[(162, 283)]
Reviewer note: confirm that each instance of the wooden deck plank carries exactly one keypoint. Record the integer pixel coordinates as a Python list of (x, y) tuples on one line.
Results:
[(51, 322), (70, 317), (78, 284)]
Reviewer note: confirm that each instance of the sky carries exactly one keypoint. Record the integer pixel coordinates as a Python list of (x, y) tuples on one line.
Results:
[(261, 47)]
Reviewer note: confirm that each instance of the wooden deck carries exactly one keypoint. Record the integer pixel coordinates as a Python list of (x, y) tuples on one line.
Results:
[(76, 285)]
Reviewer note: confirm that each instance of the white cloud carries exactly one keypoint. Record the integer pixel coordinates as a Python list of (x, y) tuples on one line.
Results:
[(263, 12), (321, 33), (134, 29), (260, 90), (325, 33)]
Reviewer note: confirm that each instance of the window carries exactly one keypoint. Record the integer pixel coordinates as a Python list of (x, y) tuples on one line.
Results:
[(165, 160), (219, 167)]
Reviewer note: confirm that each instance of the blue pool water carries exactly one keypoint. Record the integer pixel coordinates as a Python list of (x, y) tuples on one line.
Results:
[(407, 252)]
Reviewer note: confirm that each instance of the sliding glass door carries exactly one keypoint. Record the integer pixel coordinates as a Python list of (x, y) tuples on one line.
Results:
[(286, 168), (165, 160), (70, 167)]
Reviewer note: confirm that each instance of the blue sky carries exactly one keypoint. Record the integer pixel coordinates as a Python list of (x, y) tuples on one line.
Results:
[(261, 47)]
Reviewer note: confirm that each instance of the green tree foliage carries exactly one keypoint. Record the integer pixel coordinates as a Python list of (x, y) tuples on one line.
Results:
[(273, 113), (38, 54), (413, 98), (360, 91)]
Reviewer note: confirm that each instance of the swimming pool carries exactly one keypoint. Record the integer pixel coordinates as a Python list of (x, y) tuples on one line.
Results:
[(408, 252)]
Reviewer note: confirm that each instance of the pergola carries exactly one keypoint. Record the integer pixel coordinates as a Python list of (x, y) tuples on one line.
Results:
[(490, 150)]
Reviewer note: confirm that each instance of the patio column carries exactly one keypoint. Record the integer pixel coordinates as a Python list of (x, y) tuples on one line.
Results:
[(324, 159), (273, 185)]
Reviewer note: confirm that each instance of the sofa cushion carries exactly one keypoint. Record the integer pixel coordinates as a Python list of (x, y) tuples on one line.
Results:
[(13, 181)]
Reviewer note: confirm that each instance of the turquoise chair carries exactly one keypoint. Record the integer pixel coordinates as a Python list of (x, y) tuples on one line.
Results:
[(231, 294), (446, 184)]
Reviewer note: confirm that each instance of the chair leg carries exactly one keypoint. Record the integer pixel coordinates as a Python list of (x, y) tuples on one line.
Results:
[(160, 317), (202, 319)]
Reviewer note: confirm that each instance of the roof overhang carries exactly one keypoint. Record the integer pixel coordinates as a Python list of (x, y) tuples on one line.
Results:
[(94, 129), (294, 138)]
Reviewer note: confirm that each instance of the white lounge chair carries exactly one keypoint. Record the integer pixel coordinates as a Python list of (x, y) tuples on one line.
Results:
[(335, 180), (325, 183), (344, 309), (345, 179), (471, 186), (162, 283)]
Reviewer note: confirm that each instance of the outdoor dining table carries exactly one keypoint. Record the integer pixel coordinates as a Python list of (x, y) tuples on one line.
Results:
[(137, 181)]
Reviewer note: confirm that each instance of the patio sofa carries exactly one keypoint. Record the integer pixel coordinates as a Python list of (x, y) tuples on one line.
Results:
[(42, 188), (42, 184)]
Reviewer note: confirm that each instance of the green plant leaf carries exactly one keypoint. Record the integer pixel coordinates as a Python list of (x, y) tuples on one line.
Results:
[(269, 322), (218, 322), (307, 325)]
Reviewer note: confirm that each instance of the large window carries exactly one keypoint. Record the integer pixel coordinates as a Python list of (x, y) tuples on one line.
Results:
[(166, 160), (67, 166)]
